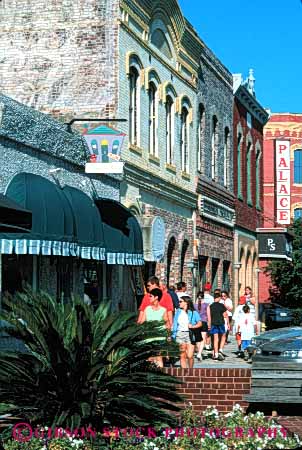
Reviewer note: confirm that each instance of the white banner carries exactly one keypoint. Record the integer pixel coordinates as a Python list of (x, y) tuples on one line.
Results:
[(282, 159)]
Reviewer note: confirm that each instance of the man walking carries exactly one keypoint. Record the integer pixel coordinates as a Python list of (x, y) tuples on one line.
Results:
[(217, 313)]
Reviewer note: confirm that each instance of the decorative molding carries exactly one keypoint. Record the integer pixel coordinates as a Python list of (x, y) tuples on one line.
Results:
[(159, 186)]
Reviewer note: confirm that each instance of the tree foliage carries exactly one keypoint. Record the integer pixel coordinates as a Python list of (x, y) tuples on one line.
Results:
[(83, 367), (286, 275)]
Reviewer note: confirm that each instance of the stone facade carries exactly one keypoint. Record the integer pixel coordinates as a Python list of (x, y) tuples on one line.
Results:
[(248, 123)]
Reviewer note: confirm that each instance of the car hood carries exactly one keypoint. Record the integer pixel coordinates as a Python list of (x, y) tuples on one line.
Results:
[(281, 333), (282, 345)]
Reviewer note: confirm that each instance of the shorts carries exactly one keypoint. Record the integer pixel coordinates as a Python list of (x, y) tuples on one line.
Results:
[(217, 329), (245, 344), (183, 337), (197, 333), (204, 327)]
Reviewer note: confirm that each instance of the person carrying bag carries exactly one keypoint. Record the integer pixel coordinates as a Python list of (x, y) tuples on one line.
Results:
[(186, 321)]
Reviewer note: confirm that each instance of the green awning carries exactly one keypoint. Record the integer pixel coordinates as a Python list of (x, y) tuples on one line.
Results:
[(13, 218), (122, 233), (54, 225), (87, 224)]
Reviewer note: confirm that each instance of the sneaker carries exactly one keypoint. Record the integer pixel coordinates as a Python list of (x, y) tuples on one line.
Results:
[(220, 357), (221, 353), (215, 358), (199, 357)]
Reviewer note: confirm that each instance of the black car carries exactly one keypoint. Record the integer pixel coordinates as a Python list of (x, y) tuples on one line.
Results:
[(276, 316), (282, 352)]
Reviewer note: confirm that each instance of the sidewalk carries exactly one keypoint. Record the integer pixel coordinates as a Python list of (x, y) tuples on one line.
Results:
[(231, 360)]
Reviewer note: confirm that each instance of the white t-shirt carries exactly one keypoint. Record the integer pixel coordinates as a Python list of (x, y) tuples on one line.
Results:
[(208, 298), (247, 326), (238, 313), (183, 321), (228, 304)]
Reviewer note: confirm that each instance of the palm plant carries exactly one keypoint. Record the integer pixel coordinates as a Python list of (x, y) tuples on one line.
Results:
[(83, 367)]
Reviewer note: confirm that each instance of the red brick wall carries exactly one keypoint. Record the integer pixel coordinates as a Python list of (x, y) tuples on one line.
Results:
[(247, 216), (222, 388)]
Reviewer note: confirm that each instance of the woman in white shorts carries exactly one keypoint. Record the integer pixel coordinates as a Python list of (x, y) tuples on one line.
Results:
[(185, 319)]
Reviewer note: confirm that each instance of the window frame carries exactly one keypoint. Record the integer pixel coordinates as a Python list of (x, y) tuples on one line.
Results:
[(184, 139), (134, 106), (153, 119), (298, 166), (214, 142), (170, 124)]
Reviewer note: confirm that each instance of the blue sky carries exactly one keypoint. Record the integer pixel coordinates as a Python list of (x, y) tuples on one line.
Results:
[(264, 35)]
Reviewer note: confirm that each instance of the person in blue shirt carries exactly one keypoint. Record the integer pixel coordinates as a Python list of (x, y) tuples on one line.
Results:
[(186, 319)]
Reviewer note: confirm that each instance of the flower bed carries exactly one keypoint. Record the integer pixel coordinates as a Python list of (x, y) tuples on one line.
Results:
[(213, 431)]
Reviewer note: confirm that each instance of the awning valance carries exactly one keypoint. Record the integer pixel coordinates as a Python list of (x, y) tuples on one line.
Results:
[(122, 233), (54, 223), (13, 218)]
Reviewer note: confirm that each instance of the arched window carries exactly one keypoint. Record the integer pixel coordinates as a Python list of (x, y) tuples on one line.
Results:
[(183, 256), (258, 174), (298, 213), (239, 191), (153, 119), (298, 166), (226, 156), (170, 267), (248, 173), (170, 110), (201, 132), (184, 139), (134, 106), (159, 40), (214, 143)]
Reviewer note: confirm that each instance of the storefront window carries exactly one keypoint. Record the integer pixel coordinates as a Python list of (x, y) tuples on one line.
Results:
[(17, 273)]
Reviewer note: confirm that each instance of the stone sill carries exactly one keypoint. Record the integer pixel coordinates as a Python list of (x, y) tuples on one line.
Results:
[(136, 150), (171, 168), (154, 159), (185, 176)]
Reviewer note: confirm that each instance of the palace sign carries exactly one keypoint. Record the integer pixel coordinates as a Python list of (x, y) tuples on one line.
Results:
[(282, 158)]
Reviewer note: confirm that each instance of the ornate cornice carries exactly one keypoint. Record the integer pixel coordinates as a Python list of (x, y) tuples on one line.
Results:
[(208, 188), (252, 105)]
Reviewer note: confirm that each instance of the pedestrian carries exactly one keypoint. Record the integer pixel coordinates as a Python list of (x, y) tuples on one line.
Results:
[(236, 319), (250, 300), (217, 312), (225, 299), (174, 297), (166, 301), (201, 307), (155, 312), (247, 327), (181, 289), (186, 319), (207, 293)]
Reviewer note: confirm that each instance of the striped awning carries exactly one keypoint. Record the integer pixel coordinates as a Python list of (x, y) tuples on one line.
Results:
[(67, 222), (54, 221)]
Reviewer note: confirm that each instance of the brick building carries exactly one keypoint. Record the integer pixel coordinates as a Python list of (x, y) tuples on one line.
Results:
[(248, 123), (143, 61), (215, 216), (281, 129)]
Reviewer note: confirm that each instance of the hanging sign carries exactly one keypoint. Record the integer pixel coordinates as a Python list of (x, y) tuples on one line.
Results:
[(282, 159), (105, 145)]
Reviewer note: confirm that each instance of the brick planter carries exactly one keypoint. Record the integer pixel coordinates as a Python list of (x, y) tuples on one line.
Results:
[(222, 388)]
